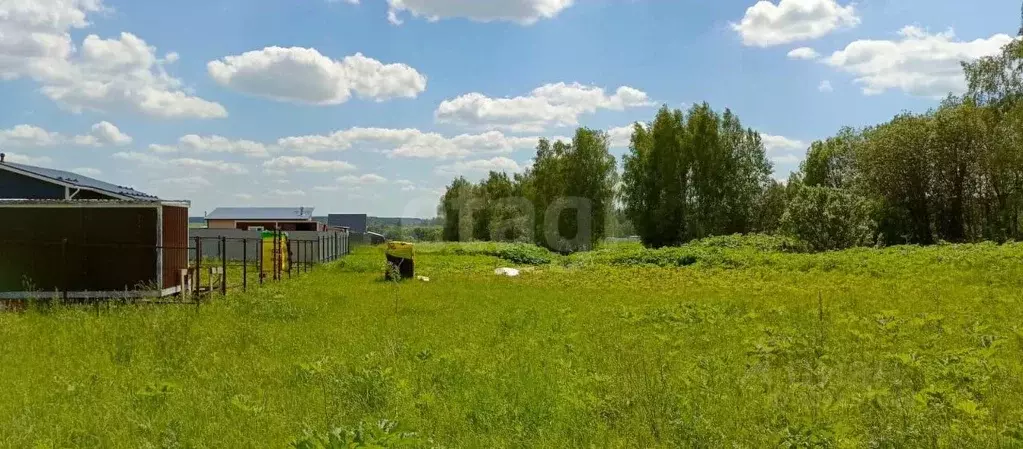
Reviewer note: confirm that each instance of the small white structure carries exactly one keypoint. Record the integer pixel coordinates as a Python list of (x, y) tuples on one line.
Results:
[(510, 272)]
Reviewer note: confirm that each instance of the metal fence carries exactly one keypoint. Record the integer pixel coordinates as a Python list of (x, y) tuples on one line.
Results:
[(76, 270)]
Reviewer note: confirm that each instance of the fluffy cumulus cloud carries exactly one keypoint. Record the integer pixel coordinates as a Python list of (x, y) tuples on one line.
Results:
[(213, 144), (524, 12), (156, 163), (27, 159), (104, 133), (371, 178), (305, 164), (825, 86), (766, 24), (780, 144), (805, 53), (117, 74), (184, 183), (919, 63), (550, 105), (479, 166), (408, 143), (88, 171), (29, 136), (303, 75), (621, 136)]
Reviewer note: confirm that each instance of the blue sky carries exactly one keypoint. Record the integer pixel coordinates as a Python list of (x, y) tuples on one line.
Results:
[(374, 105)]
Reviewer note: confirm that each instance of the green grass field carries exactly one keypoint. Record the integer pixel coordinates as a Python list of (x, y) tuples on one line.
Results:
[(741, 342)]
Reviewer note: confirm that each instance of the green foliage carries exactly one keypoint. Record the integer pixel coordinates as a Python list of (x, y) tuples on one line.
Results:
[(458, 194), (519, 253), (757, 343), (698, 174), (569, 355), (503, 208), (382, 435), (828, 218)]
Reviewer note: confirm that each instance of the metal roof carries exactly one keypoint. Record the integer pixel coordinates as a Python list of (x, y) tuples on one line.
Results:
[(82, 182), (261, 213)]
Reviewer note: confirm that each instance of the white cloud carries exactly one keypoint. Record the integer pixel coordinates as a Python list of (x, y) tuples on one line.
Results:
[(305, 164), (104, 133), (920, 63), (766, 24), (87, 171), (29, 136), (825, 87), (479, 166), (185, 184), (524, 12), (370, 178), (23, 136), (26, 159), (243, 196), (200, 165), (120, 74), (279, 192), (621, 137), (215, 166), (804, 53), (213, 144), (780, 144), (787, 159), (303, 75), (558, 104), (409, 143)]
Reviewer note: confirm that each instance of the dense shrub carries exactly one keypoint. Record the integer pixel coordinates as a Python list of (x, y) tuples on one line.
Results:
[(827, 218)]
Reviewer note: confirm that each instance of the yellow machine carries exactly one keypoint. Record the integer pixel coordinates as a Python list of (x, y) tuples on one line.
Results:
[(275, 253), (403, 256)]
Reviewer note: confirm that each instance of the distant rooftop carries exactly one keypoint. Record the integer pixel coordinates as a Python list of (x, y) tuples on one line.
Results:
[(82, 182), (261, 213)]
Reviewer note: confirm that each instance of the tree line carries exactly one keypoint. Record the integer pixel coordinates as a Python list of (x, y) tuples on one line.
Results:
[(954, 173)]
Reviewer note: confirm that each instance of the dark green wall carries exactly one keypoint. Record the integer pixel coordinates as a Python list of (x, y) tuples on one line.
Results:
[(107, 248)]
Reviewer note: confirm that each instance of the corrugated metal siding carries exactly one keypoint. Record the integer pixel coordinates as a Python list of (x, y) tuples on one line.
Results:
[(354, 222), (15, 186), (108, 249), (175, 244)]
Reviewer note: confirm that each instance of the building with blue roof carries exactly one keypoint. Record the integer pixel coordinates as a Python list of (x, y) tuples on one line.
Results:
[(299, 218), (86, 238)]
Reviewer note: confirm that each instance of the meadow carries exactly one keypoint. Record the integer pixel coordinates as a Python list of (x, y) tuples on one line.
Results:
[(742, 342)]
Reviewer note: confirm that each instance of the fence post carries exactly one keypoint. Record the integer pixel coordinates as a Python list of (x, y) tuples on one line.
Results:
[(245, 264), (290, 262), (223, 266), (259, 258), (198, 268)]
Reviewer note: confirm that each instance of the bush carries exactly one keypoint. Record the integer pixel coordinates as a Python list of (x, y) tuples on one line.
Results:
[(828, 218)]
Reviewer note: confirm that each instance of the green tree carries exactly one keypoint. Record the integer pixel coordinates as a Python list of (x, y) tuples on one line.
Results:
[(831, 162), (827, 218), (456, 197)]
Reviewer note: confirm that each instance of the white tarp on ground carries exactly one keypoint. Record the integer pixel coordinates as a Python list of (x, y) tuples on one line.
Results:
[(510, 272)]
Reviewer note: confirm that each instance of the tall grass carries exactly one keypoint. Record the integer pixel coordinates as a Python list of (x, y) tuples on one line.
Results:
[(748, 345)]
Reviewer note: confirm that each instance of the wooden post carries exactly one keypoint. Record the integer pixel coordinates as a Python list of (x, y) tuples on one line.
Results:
[(245, 264), (198, 269), (223, 266)]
